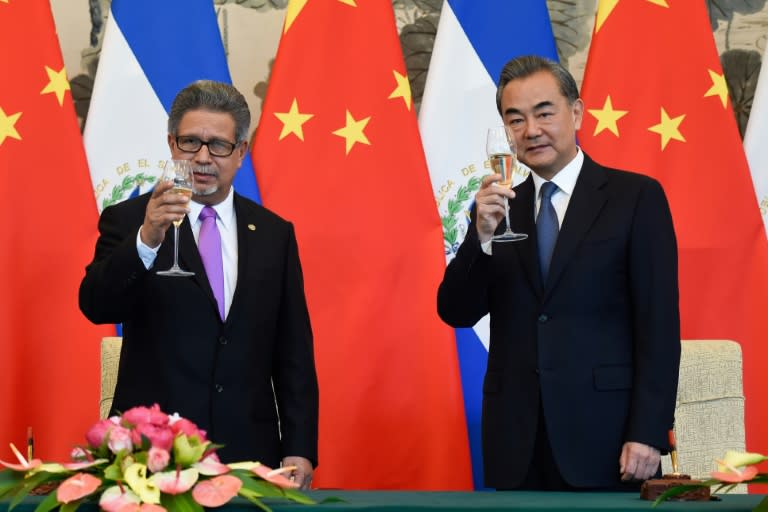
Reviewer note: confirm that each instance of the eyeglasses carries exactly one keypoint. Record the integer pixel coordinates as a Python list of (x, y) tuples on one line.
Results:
[(216, 147)]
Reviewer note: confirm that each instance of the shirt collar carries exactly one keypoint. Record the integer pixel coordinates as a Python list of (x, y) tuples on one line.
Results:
[(225, 210), (566, 178)]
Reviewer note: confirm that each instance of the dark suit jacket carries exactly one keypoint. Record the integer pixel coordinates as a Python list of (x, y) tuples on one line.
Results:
[(598, 344), (178, 353)]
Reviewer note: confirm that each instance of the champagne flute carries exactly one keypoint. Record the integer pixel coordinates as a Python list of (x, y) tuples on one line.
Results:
[(180, 173), (500, 146)]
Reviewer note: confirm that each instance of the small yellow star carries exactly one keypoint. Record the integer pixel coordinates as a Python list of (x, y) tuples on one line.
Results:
[(719, 87), (607, 117), (403, 89), (57, 84), (353, 131), (7, 128), (292, 12), (349, 2), (293, 121), (662, 3), (668, 128)]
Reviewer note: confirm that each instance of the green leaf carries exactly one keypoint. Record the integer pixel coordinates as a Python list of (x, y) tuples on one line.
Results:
[(332, 499), (262, 487), (49, 503), (677, 490), (298, 497), (255, 500), (29, 484), (762, 506), (71, 506), (180, 503), (9, 480)]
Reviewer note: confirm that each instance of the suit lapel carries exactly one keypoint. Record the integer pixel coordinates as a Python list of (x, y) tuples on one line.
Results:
[(588, 199), (521, 218)]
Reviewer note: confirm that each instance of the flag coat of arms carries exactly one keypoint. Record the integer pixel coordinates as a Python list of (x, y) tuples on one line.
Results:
[(656, 102), (337, 152)]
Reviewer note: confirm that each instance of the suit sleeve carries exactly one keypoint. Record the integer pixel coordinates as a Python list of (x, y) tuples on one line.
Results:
[(110, 286), (656, 322), (295, 379), (462, 298)]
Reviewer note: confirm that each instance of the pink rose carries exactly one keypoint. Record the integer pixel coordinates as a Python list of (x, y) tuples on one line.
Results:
[(185, 426), (139, 415), (96, 434), (159, 436), (157, 459), (119, 439)]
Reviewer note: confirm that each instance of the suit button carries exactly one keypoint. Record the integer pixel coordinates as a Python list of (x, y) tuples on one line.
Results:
[(543, 318), (219, 388), (223, 340)]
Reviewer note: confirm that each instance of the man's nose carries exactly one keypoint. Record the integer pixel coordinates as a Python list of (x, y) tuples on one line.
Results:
[(532, 129), (203, 156)]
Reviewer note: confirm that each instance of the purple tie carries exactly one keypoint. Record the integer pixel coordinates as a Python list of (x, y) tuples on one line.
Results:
[(209, 244)]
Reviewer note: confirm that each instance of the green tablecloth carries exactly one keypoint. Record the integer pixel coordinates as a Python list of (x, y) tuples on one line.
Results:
[(371, 501)]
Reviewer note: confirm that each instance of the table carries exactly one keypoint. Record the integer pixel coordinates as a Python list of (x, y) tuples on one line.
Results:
[(401, 501)]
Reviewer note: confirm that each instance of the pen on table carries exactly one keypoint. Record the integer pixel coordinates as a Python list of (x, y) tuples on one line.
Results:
[(30, 444), (673, 452)]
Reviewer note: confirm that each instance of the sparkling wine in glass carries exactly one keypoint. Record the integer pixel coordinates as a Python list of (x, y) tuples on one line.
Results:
[(180, 173), (500, 147)]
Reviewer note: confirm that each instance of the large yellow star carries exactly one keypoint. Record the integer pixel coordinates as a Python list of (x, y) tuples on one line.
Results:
[(294, 9), (719, 87), (668, 128), (293, 121), (353, 131), (607, 117), (57, 84), (7, 128), (403, 89), (606, 7)]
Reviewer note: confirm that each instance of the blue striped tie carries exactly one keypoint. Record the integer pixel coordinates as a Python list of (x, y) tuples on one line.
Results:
[(546, 228)]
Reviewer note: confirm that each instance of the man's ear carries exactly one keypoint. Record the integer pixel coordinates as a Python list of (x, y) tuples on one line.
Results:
[(578, 112)]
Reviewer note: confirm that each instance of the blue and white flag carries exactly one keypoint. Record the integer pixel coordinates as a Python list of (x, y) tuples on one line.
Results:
[(474, 41), (151, 51)]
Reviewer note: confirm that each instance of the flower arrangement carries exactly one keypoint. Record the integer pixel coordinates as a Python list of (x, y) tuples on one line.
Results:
[(733, 469), (146, 461)]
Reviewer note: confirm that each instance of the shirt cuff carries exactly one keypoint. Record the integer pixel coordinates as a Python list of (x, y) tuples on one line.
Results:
[(487, 247), (146, 253)]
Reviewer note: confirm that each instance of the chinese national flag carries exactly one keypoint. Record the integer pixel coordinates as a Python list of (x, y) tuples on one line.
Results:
[(338, 153), (49, 352), (656, 102)]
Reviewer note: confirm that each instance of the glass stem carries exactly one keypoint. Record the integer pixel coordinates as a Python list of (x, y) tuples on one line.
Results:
[(175, 246), (506, 214)]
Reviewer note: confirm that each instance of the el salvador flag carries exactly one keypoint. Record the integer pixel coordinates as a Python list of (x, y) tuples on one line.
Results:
[(151, 51), (474, 41)]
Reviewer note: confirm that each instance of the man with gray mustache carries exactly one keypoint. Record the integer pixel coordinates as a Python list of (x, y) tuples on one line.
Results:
[(229, 347)]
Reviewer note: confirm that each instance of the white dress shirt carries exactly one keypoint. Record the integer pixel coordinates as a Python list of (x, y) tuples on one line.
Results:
[(226, 221)]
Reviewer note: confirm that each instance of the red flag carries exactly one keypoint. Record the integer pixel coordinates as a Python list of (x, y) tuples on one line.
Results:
[(338, 153), (656, 102), (49, 352)]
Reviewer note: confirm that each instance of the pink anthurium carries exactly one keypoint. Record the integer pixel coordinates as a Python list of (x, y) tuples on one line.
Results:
[(76, 487), (77, 466), (216, 491), (733, 474), (24, 464), (175, 482), (210, 466), (276, 476), (116, 499)]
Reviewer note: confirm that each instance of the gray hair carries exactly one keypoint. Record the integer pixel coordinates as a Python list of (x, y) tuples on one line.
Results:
[(215, 97), (527, 65)]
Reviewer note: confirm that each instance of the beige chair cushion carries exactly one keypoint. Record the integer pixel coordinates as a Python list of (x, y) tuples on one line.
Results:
[(110, 359), (709, 417)]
